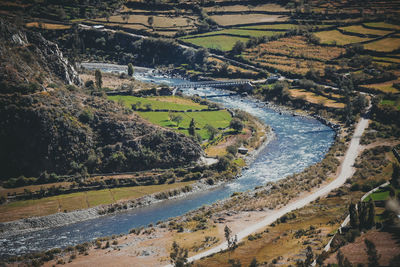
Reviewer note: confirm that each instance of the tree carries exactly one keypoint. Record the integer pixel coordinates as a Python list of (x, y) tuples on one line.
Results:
[(175, 118), (395, 181), (309, 256), (354, 222), (238, 48), (192, 128), (228, 233), (130, 69), (235, 263), (99, 79), (362, 215), (150, 21), (178, 255), (253, 263), (236, 124), (372, 253), (371, 213), (211, 131), (342, 260)]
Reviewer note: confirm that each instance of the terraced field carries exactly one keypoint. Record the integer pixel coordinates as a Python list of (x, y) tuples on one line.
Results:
[(315, 99), (384, 45), (229, 20), (336, 37), (220, 42), (239, 31), (383, 25), (362, 30)]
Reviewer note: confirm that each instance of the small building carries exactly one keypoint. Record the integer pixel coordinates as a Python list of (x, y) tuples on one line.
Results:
[(243, 150)]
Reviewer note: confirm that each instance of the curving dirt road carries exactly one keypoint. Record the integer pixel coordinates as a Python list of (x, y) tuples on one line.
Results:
[(346, 171)]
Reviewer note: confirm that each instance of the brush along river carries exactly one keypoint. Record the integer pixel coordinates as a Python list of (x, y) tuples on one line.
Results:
[(298, 143)]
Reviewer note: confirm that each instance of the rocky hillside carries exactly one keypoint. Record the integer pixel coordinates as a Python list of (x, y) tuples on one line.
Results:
[(47, 126)]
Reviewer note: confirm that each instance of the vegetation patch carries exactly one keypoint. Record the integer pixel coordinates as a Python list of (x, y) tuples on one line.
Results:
[(160, 102), (219, 42), (362, 30), (81, 200), (383, 25), (337, 38), (315, 99), (384, 45), (231, 20)]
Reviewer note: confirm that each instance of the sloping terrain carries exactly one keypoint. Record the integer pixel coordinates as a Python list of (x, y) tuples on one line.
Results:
[(46, 126)]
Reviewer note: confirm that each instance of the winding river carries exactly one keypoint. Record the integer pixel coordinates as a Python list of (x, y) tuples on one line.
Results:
[(299, 142)]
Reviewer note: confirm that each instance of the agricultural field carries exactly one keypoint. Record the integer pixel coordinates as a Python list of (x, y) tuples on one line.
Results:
[(298, 47), (271, 27), (383, 25), (229, 20), (384, 45), (238, 31), (336, 37), (394, 103), (47, 26), (81, 200), (159, 102), (362, 30), (220, 42), (380, 195), (388, 59), (385, 87), (217, 119), (241, 8), (315, 99)]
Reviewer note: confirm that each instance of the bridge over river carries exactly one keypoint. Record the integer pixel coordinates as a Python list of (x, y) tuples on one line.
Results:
[(212, 84)]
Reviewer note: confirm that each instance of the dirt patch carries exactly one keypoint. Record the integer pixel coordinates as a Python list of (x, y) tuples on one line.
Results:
[(387, 245)]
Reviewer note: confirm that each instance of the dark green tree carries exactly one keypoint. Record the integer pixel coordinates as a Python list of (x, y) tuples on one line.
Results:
[(130, 69), (238, 48), (99, 79), (253, 263), (372, 253), (309, 256), (227, 233), (178, 255), (192, 128), (235, 263), (236, 124), (395, 181), (354, 222), (371, 213), (211, 131)]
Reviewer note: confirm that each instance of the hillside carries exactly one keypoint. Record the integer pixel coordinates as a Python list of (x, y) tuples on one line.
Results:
[(48, 126)]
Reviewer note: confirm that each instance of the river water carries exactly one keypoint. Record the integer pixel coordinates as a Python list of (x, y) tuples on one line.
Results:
[(299, 142)]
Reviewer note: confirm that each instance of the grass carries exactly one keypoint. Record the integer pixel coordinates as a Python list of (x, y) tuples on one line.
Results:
[(221, 42), (271, 26), (238, 8), (231, 20), (390, 59), (384, 45), (391, 103), (385, 87), (160, 21), (217, 119), (159, 102), (380, 195), (334, 36), (315, 99), (383, 25), (240, 31), (81, 200), (363, 30), (47, 26)]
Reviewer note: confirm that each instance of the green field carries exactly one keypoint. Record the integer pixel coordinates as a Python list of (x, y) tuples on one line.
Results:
[(159, 102), (220, 42), (380, 195), (334, 36), (217, 119), (391, 103), (362, 30)]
